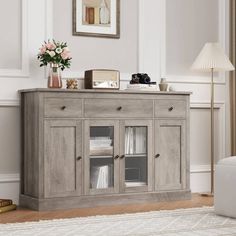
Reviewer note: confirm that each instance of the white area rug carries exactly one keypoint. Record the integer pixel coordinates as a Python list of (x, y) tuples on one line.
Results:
[(184, 222)]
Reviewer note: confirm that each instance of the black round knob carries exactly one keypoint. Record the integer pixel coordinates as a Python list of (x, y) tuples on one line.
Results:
[(119, 108), (171, 108), (79, 158), (63, 107), (122, 156), (157, 155)]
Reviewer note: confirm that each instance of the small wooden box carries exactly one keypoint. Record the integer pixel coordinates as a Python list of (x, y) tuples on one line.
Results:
[(102, 79)]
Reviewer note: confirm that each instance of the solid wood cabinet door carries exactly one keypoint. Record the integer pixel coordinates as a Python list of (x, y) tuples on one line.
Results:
[(170, 154), (62, 158), (136, 155)]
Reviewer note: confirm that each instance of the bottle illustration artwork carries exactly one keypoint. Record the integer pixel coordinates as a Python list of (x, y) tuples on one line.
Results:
[(104, 13)]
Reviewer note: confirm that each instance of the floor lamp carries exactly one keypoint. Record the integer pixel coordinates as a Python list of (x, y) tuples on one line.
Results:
[(212, 59)]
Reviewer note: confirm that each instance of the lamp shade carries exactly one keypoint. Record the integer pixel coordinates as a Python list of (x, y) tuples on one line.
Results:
[(212, 57)]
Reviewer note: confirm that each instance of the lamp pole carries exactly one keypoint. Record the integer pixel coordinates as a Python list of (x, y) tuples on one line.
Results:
[(212, 131)]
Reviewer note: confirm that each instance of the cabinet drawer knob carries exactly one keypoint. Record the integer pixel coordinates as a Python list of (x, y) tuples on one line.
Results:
[(78, 158), (63, 107), (116, 157), (171, 108), (122, 156), (119, 108), (157, 155)]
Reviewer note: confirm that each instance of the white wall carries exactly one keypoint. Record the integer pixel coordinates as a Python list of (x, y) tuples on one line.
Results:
[(186, 25), (160, 37)]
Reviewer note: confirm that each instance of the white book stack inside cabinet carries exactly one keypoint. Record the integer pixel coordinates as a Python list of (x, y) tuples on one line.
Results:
[(101, 146)]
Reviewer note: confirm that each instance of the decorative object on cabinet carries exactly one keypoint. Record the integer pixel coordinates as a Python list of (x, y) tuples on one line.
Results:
[(141, 78), (57, 55), (212, 59), (163, 86), (102, 79), (141, 81), (98, 18), (103, 147), (72, 84), (54, 76)]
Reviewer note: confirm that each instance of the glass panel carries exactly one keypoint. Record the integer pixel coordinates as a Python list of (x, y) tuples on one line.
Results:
[(101, 157), (135, 156)]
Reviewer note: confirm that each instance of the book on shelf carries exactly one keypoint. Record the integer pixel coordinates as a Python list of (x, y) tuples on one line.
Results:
[(5, 202), (101, 176), (144, 87), (8, 208), (101, 146)]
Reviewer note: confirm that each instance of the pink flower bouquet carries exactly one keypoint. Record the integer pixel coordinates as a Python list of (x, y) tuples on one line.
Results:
[(55, 53)]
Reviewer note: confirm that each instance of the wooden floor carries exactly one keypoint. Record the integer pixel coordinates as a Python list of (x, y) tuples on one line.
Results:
[(24, 215)]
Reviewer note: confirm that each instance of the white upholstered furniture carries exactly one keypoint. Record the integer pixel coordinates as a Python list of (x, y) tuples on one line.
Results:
[(225, 187)]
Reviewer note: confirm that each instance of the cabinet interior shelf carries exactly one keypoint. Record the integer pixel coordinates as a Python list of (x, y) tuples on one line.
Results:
[(97, 157), (136, 155), (135, 184)]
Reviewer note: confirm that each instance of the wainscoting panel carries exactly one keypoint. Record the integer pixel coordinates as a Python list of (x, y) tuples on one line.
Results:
[(18, 68)]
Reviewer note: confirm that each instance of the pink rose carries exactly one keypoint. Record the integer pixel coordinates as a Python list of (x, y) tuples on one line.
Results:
[(65, 55), (50, 46), (42, 50), (66, 49)]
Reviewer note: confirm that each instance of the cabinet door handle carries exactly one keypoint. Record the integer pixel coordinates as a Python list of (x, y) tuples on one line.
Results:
[(78, 158), (157, 155), (171, 108), (63, 107), (116, 157), (119, 108), (122, 156)]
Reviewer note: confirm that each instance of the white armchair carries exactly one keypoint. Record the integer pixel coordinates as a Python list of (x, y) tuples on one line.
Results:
[(225, 187)]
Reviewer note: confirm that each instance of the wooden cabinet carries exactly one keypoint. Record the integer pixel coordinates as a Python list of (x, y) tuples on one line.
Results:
[(170, 154), (62, 158), (86, 148)]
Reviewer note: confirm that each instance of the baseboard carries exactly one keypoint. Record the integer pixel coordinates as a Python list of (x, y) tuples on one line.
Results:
[(200, 176), (10, 186)]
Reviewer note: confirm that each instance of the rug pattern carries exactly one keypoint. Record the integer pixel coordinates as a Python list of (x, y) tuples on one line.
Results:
[(183, 222)]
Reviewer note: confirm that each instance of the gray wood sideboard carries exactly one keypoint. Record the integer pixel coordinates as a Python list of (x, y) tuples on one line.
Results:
[(86, 148)]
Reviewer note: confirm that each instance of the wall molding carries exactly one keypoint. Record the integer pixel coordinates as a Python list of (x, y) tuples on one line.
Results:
[(221, 106), (24, 71), (9, 102), (195, 169), (10, 178), (196, 79), (189, 79)]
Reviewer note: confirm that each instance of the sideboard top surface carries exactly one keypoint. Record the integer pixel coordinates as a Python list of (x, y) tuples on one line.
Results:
[(105, 91)]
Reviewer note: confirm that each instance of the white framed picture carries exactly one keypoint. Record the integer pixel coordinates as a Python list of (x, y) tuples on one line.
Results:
[(97, 18)]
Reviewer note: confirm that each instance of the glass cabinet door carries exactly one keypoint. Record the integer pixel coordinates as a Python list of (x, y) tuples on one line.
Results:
[(101, 156), (136, 157)]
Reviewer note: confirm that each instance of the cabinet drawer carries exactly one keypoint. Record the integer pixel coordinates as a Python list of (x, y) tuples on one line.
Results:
[(170, 108), (66, 107), (118, 108)]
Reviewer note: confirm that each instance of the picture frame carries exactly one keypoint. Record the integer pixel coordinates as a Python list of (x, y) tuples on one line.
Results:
[(96, 18), (102, 79)]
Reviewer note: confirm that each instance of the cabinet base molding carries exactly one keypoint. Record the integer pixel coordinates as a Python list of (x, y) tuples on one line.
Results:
[(102, 200)]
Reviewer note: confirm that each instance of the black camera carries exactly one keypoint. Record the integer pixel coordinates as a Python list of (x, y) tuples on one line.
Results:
[(140, 78)]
